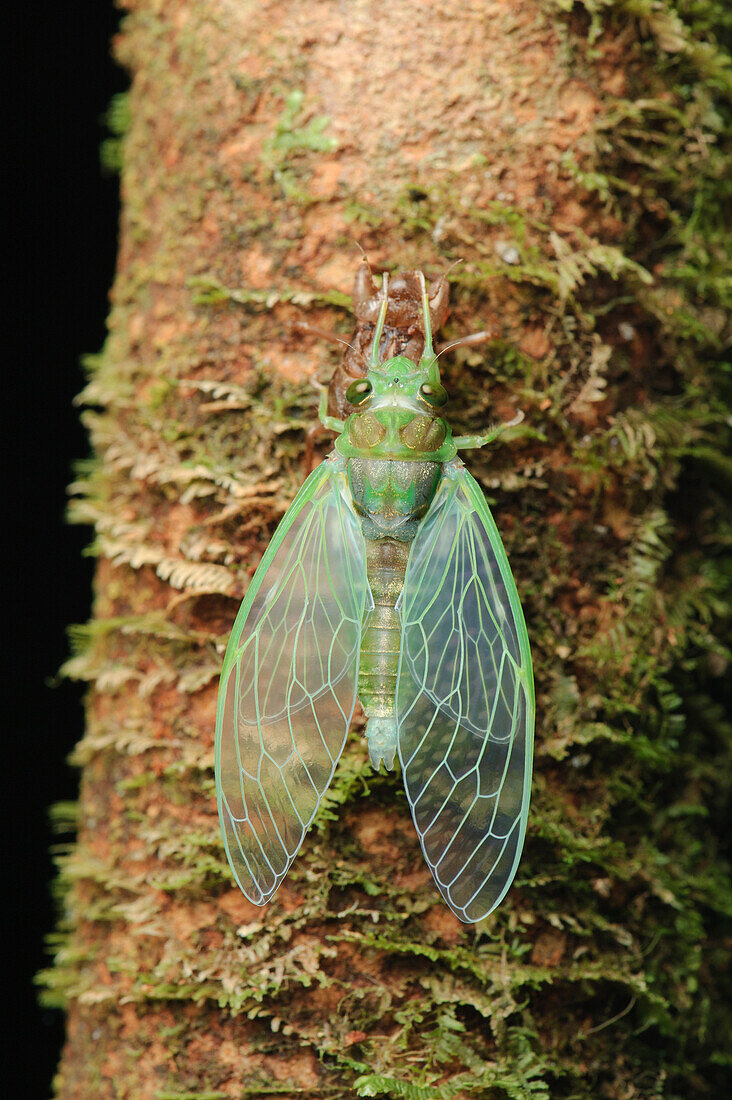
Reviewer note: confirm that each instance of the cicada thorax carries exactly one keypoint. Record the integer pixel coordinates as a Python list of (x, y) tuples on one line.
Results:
[(423, 434), (396, 416), (395, 443), (417, 433)]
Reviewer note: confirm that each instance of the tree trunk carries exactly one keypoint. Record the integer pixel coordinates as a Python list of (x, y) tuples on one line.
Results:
[(574, 161)]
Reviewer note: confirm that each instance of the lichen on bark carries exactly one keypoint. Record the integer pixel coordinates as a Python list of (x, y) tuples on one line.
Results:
[(574, 157)]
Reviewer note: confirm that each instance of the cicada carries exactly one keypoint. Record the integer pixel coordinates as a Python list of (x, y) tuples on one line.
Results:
[(385, 584)]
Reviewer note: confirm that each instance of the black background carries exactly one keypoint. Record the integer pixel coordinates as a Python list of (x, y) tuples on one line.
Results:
[(59, 248)]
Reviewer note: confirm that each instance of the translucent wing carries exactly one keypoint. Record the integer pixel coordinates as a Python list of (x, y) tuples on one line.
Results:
[(465, 700), (288, 686)]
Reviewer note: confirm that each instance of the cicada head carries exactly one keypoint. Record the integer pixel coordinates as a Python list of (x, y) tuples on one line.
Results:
[(399, 404), (399, 381)]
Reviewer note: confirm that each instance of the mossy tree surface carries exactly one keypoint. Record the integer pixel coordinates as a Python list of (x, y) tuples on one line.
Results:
[(574, 158)]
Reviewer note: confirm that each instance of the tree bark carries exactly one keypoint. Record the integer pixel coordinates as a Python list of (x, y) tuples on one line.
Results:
[(573, 161)]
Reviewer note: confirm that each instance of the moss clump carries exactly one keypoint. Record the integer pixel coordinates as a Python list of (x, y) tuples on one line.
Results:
[(117, 119)]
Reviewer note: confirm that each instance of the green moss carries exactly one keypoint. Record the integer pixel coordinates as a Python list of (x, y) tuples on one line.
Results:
[(117, 119), (292, 138), (209, 291)]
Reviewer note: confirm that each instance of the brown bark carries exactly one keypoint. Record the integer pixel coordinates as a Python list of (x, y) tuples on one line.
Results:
[(447, 134)]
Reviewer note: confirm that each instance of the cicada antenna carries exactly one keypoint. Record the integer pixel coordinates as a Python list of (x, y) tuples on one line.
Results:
[(468, 341), (452, 265), (332, 337), (447, 348), (349, 345)]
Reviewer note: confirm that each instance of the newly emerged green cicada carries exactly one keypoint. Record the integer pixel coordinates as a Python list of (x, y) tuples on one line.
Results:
[(386, 583)]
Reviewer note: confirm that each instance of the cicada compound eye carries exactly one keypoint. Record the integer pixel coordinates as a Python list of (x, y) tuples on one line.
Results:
[(358, 392), (433, 394)]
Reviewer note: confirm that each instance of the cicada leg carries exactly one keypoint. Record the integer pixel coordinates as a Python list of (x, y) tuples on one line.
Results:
[(325, 426), (467, 442)]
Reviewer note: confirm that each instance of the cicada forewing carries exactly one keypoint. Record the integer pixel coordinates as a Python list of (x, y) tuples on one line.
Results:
[(288, 686), (465, 700)]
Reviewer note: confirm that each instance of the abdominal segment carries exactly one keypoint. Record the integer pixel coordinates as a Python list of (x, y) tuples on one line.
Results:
[(386, 564), (391, 497), (391, 503)]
